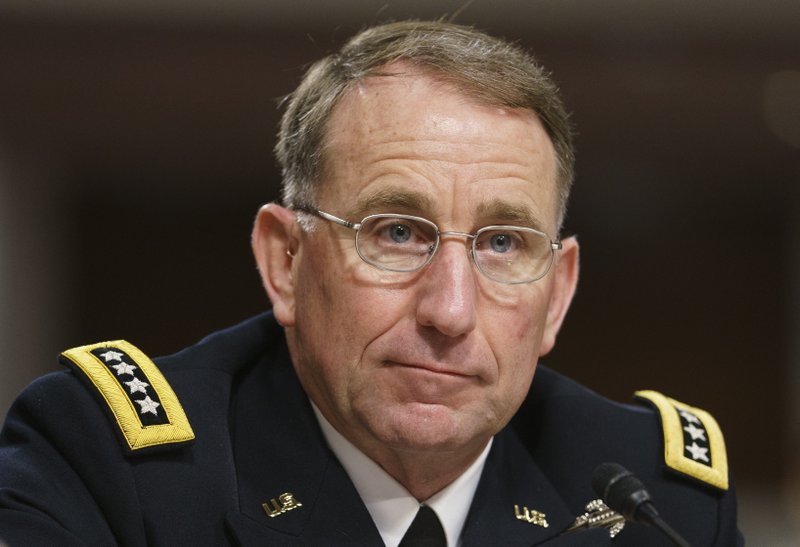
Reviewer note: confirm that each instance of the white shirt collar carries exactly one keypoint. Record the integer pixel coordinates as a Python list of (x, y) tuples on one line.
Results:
[(390, 505)]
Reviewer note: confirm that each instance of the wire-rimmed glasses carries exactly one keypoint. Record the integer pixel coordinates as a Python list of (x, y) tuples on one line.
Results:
[(407, 243)]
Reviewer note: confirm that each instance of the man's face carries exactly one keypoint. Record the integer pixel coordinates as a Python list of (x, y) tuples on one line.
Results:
[(438, 359)]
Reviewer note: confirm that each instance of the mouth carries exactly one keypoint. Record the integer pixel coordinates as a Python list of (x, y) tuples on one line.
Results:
[(432, 369), (430, 383)]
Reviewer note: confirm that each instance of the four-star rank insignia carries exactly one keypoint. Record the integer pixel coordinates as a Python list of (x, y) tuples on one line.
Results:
[(693, 442), (141, 401)]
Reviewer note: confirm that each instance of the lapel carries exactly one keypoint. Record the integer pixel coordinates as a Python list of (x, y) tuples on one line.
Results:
[(279, 449), (512, 478)]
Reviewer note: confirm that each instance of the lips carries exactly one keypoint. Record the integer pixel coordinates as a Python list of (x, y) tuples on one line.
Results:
[(428, 383), (423, 353), (431, 368), (457, 363)]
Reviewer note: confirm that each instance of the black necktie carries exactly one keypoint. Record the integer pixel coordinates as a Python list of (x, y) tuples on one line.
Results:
[(425, 531)]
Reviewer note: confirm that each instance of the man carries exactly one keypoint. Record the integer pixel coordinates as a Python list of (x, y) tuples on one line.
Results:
[(416, 276)]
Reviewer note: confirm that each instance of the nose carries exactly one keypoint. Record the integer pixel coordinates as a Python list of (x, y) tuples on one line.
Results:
[(448, 291)]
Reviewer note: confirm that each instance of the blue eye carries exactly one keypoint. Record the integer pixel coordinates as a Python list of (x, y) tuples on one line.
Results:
[(501, 243), (400, 233)]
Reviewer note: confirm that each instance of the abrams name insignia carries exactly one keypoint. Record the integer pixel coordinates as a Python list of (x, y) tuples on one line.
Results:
[(693, 442), (137, 394)]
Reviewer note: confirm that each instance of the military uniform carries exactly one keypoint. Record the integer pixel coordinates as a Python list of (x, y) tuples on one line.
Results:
[(224, 449)]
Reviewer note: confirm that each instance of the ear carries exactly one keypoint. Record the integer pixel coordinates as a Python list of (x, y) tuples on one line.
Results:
[(565, 281), (275, 243)]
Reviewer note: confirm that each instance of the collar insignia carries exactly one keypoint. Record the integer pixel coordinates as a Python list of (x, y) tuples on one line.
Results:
[(285, 503), (532, 516)]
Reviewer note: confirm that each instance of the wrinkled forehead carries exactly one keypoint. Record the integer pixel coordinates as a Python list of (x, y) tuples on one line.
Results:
[(417, 98), (404, 114)]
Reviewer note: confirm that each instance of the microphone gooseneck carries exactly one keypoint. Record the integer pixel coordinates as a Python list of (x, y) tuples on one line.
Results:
[(627, 495)]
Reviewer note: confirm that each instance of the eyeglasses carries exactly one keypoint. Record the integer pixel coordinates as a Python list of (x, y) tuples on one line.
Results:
[(405, 243)]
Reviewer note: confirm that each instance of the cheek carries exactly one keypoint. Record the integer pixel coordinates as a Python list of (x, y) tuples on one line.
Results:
[(514, 332), (326, 315), (346, 307), (517, 318)]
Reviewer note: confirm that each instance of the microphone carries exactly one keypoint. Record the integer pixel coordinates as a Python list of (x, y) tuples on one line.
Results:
[(626, 494)]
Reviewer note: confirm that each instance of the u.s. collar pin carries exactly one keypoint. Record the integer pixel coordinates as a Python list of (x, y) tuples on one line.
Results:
[(285, 503), (531, 515)]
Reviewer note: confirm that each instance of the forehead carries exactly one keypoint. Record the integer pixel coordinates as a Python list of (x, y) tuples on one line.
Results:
[(408, 138)]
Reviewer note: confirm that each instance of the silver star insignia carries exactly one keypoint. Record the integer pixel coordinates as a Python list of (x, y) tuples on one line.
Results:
[(124, 368), (148, 405), (111, 356), (698, 452), (695, 432), (689, 417), (137, 385)]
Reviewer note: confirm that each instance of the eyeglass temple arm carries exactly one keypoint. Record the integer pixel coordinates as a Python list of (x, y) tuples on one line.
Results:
[(328, 216)]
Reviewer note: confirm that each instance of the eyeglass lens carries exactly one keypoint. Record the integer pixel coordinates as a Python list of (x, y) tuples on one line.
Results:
[(504, 253)]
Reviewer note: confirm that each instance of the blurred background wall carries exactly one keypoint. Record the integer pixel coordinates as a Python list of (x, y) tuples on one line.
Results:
[(135, 149)]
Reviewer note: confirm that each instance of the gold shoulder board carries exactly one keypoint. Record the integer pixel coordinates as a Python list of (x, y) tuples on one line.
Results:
[(693, 441), (141, 401)]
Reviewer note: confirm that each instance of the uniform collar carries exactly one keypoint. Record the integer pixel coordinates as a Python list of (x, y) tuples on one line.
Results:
[(279, 449), (390, 505)]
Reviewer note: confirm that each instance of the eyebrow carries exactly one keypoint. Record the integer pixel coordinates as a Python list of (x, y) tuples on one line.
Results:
[(392, 198), (397, 200), (511, 213)]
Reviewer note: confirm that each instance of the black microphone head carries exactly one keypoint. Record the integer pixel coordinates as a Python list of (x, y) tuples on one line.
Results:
[(620, 489)]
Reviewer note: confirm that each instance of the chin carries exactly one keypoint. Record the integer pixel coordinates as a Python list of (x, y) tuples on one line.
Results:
[(420, 426)]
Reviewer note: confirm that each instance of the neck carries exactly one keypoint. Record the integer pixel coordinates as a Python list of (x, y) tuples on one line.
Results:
[(425, 472), (422, 473)]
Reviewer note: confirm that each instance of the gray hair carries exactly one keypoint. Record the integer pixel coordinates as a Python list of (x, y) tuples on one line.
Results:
[(489, 70)]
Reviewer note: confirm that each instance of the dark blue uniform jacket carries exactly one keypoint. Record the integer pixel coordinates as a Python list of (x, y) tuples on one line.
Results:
[(67, 479)]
